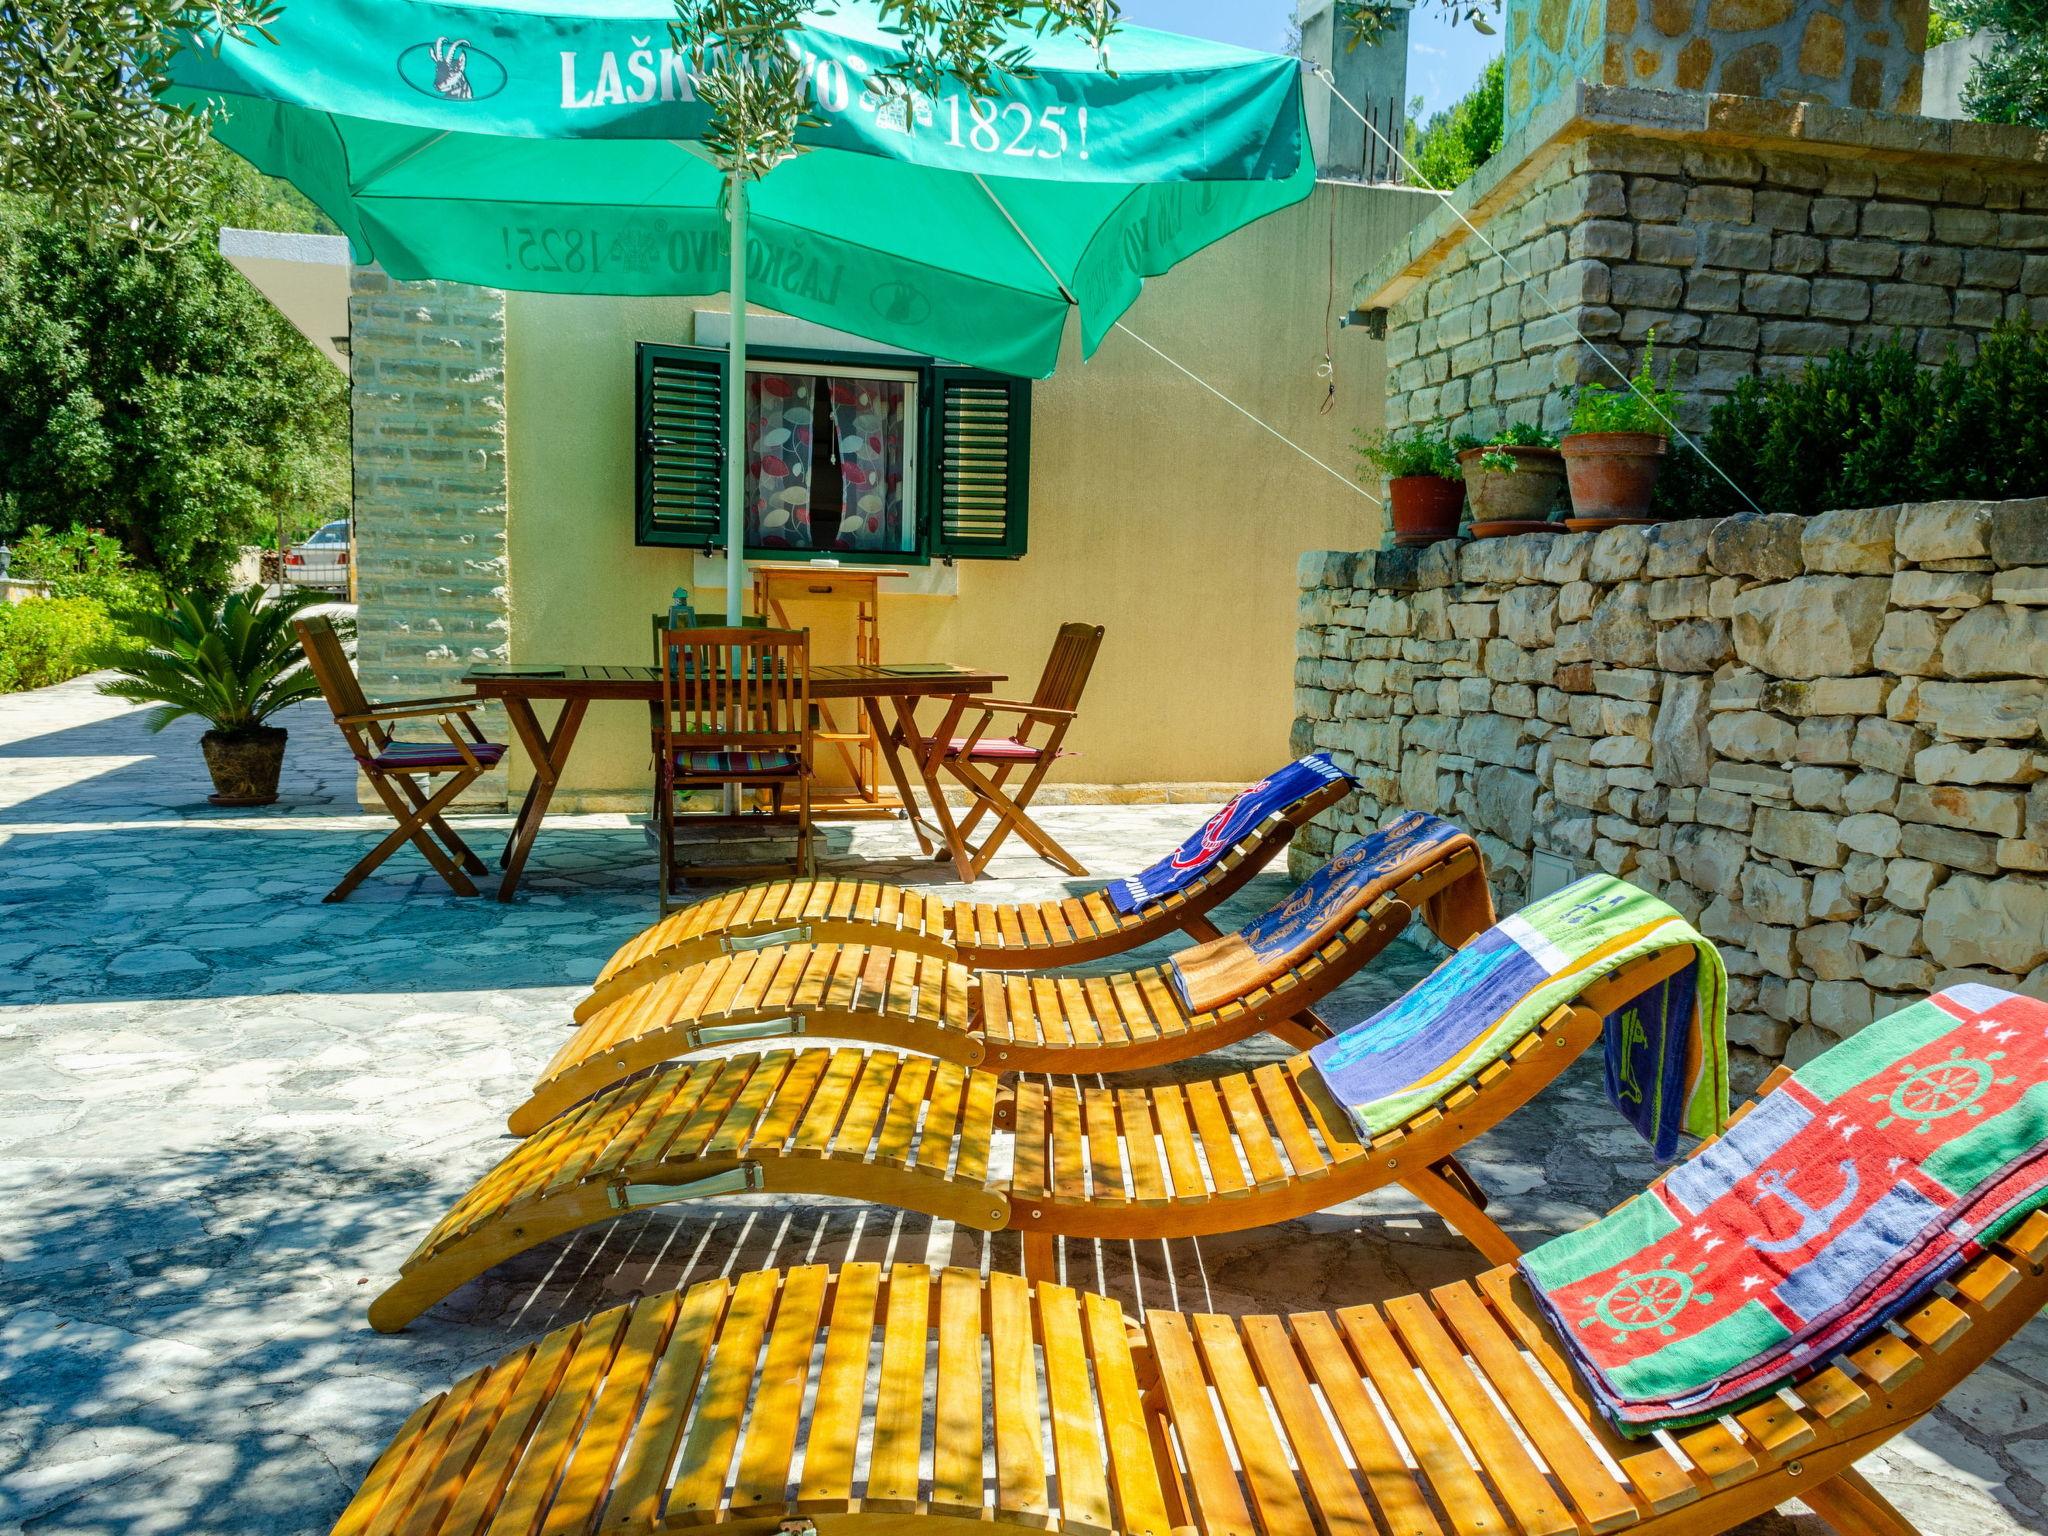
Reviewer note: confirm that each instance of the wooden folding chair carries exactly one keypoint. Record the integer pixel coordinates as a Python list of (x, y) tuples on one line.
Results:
[(735, 711), (402, 772), (1222, 1153), (984, 763)]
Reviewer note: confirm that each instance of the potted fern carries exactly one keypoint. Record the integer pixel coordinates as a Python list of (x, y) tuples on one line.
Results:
[(1615, 447), (1512, 480), (1425, 492), (234, 664)]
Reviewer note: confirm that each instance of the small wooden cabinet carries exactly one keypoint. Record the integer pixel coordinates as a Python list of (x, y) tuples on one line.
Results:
[(843, 728)]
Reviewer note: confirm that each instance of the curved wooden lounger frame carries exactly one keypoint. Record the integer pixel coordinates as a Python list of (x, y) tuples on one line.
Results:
[(1217, 1154), (1007, 1021), (1031, 936), (687, 1409)]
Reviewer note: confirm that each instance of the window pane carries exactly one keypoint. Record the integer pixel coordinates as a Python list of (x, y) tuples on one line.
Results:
[(826, 463)]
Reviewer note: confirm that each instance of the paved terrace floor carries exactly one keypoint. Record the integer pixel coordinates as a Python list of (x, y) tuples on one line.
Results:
[(228, 1111)]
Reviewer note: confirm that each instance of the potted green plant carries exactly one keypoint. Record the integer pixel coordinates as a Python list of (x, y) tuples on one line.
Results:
[(234, 664), (1425, 493), (1615, 447), (1512, 480)]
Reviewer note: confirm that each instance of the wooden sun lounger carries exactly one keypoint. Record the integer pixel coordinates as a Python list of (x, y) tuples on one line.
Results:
[(1008, 1021), (1030, 936), (1452, 1412), (1217, 1154)]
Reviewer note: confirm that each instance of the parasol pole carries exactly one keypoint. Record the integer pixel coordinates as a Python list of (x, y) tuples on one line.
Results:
[(736, 398)]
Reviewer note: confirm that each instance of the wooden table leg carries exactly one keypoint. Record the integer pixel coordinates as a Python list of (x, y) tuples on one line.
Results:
[(549, 754), (928, 753), (889, 743)]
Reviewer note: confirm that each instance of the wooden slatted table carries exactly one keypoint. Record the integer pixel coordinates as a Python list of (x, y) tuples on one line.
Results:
[(889, 695)]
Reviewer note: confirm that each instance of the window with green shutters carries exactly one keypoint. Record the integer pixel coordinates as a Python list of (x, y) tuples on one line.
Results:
[(956, 485)]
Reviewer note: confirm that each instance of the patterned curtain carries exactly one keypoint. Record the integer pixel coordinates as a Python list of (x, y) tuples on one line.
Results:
[(779, 460), (867, 417)]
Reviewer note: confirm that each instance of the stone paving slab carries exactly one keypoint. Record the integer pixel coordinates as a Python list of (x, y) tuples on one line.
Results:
[(227, 1112)]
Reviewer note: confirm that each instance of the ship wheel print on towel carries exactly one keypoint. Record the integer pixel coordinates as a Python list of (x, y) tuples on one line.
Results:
[(1949, 1087), (1649, 1299)]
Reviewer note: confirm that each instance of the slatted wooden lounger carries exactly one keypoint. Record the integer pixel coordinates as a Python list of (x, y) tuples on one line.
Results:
[(1454, 1411), (1030, 936), (1217, 1154), (1005, 1020)]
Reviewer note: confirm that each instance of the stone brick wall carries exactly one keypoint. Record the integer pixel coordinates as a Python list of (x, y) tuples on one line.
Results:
[(1825, 740), (427, 369), (1766, 237), (1848, 53)]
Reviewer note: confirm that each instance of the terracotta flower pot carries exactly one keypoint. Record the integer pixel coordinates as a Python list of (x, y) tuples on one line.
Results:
[(1425, 508), (244, 764), (1525, 495), (1612, 473)]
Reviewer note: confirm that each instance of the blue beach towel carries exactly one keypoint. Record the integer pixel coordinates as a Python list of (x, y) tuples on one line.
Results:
[(1203, 851)]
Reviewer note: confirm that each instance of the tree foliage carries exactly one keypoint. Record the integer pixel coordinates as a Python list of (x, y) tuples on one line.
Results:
[(156, 395), (1455, 142), (744, 67), (83, 129), (2010, 83)]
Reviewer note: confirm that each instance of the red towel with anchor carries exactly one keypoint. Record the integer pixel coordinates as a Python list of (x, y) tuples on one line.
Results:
[(1834, 1205)]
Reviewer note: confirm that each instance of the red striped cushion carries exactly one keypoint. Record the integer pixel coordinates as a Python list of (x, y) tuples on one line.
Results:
[(423, 756), (737, 762)]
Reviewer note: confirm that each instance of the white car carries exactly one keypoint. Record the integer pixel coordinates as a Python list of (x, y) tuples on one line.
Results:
[(322, 560)]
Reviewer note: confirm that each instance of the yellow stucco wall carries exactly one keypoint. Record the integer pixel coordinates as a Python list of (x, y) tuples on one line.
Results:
[(1156, 510)]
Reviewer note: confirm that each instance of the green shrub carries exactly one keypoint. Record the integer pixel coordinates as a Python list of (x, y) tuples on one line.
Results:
[(83, 562), (1870, 428), (1464, 136), (1418, 451), (48, 639)]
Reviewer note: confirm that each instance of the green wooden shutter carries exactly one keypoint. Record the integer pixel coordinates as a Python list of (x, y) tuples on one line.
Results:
[(680, 455), (978, 464)]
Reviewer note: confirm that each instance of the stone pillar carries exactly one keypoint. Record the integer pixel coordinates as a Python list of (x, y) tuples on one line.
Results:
[(427, 369), (1375, 80), (1844, 53)]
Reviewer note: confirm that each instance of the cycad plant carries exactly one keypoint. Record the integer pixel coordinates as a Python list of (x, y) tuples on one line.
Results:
[(234, 664)]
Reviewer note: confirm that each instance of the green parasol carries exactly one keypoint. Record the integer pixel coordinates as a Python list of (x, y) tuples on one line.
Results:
[(556, 148)]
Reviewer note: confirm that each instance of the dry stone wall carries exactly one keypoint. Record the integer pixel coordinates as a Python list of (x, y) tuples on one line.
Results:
[(1822, 739)]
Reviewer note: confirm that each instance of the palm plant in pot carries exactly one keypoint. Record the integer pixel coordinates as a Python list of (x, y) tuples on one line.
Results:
[(1512, 480), (233, 663), (1425, 493), (1616, 446)]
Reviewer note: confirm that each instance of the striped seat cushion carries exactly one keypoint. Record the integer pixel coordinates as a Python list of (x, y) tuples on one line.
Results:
[(737, 762), (425, 756), (996, 749)]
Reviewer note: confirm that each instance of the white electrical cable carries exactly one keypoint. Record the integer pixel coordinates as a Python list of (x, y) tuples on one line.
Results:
[(1265, 425), (1258, 421), (1522, 275)]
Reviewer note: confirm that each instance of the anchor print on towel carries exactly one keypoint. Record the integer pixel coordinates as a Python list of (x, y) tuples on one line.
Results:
[(1813, 1223)]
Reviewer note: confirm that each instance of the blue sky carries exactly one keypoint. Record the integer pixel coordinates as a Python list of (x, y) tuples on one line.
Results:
[(1443, 60)]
